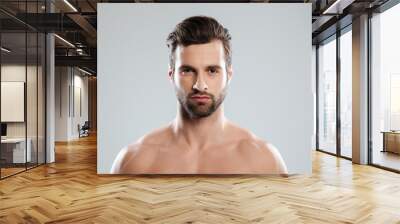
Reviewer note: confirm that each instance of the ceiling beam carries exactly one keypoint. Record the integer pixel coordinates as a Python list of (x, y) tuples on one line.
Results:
[(84, 61)]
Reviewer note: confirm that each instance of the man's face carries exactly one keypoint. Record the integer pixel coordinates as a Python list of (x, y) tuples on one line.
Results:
[(200, 77)]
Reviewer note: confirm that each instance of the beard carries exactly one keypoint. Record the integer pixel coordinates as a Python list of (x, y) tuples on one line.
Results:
[(193, 110)]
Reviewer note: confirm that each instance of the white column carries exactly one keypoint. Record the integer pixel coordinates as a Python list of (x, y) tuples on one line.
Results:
[(50, 79), (360, 90), (50, 91)]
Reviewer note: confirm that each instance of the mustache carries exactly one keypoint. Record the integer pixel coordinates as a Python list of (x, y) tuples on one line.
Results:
[(200, 93)]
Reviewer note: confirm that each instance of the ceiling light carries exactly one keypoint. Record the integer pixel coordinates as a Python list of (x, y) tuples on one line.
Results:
[(5, 49), (64, 40), (84, 71), (70, 5), (331, 7)]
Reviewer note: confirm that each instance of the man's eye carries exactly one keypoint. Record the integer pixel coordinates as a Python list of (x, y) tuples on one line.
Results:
[(187, 71), (213, 71)]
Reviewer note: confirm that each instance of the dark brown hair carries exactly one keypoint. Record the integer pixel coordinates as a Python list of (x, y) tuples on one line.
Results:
[(199, 30)]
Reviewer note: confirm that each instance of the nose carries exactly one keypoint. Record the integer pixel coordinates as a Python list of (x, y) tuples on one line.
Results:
[(200, 84)]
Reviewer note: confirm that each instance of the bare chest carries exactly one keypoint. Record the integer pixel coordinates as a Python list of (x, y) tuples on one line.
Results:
[(218, 160)]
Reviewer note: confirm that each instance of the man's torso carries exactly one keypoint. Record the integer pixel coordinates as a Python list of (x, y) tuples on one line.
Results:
[(162, 153)]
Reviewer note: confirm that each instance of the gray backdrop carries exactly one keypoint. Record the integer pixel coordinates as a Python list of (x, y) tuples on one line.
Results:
[(270, 92)]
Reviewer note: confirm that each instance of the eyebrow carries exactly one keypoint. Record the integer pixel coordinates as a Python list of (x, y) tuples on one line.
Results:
[(214, 66), (192, 68), (187, 67)]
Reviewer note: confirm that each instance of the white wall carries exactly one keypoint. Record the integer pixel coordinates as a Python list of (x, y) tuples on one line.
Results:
[(17, 72), (10, 73), (61, 103), (67, 117), (80, 83)]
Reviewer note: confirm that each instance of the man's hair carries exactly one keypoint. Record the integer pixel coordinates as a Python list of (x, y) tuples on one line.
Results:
[(199, 30)]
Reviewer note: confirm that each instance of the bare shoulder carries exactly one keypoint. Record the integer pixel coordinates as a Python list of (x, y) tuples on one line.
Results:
[(268, 152), (140, 155), (264, 156)]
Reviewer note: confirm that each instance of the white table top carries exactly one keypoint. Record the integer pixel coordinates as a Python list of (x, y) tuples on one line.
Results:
[(13, 140)]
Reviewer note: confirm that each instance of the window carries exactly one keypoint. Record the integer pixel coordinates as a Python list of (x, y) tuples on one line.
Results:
[(385, 89), (346, 93), (327, 96)]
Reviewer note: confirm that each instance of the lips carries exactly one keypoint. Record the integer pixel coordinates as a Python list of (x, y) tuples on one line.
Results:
[(200, 98)]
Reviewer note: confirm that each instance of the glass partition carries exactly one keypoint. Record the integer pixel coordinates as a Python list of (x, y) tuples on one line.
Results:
[(346, 93), (385, 89), (41, 111), (327, 96), (13, 110), (32, 95), (22, 101)]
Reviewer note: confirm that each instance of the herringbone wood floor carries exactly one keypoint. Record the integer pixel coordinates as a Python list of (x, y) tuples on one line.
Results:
[(70, 191)]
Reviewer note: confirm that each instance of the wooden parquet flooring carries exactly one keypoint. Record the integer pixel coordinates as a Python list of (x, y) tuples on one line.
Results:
[(70, 191)]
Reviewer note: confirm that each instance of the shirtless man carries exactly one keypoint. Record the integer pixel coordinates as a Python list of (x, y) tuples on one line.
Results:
[(200, 140)]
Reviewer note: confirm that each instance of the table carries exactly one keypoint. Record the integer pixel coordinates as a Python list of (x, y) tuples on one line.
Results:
[(15, 148), (391, 141)]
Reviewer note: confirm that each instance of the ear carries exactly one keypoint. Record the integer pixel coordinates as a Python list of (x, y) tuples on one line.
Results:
[(229, 72), (170, 73)]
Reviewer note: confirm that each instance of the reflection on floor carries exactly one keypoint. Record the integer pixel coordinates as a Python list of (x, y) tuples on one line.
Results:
[(347, 152), (12, 168), (386, 159), (10, 171)]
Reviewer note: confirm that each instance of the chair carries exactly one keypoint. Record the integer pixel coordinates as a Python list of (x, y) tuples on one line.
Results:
[(84, 130)]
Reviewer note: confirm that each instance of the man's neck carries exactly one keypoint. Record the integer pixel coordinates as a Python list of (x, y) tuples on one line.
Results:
[(199, 133)]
